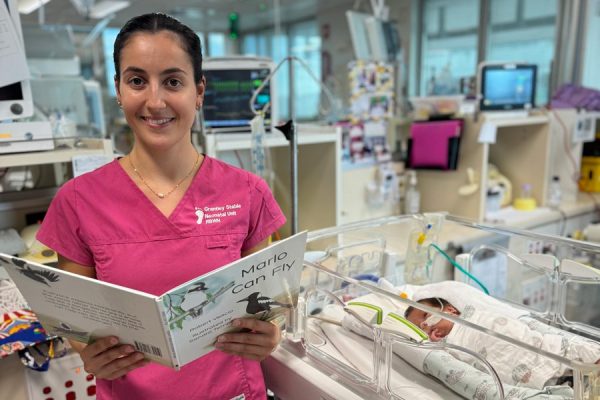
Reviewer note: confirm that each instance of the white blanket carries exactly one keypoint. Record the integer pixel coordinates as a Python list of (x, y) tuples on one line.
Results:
[(465, 297), (515, 365)]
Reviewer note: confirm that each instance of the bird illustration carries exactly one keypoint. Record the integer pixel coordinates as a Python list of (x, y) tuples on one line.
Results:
[(178, 313), (197, 287), (38, 276), (258, 303), (65, 329)]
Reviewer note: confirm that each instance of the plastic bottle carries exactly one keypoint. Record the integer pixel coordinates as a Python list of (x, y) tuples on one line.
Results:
[(412, 198), (526, 191), (554, 192)]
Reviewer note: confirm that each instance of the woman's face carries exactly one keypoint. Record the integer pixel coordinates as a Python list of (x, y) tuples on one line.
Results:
[(157, 90)]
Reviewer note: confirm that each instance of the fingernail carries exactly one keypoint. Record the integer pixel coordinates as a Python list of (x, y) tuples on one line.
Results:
[(236, 323), (129, 350), (114, 341), (222, 339)]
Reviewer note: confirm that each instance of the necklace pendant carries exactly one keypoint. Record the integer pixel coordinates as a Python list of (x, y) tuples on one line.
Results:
[(161, 195)]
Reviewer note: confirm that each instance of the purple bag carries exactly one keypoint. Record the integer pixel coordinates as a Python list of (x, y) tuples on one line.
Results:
[(572, 96)]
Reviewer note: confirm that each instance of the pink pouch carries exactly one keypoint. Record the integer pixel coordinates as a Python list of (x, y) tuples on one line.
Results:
[(432, 145)]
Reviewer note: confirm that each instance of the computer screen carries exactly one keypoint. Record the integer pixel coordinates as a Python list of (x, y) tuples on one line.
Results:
[(384, 40), (15, 98), (357, 24), (109, 35), (230, 84), (507, 86)]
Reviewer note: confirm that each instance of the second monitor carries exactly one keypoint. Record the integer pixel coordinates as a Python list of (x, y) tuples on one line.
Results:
[(507, 86)]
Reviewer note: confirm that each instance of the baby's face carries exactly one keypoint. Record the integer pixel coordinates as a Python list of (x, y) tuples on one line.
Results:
[(437, 331)]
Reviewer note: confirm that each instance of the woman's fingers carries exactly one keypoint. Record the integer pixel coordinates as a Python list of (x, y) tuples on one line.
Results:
[(99, 346), (257, 344), (107, 359), (122, 366)]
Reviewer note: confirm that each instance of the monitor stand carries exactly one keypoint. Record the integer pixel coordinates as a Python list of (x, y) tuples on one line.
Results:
[(503, 115)]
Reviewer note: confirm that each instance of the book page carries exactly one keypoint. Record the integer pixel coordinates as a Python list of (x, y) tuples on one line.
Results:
[(263, 285), (84, 309)]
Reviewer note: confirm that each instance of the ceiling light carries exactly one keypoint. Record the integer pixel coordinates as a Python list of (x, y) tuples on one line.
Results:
[(29, 6), (105, 8)]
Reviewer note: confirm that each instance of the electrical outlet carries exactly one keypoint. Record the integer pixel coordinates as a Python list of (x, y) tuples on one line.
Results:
[(585, 128), (535, 293), (535, 247)]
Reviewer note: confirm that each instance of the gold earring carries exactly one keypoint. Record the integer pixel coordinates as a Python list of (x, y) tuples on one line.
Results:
[(119, 103)]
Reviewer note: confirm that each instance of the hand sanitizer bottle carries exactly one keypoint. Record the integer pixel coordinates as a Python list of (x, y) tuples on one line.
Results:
[(554, 192), (412, 196)]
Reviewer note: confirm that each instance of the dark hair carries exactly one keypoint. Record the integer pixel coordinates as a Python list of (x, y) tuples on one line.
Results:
[(154, 23), (431, 302)]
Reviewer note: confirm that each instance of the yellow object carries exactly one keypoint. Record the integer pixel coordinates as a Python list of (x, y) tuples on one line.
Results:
[(36, 251), (590, 174), (525, 203), (421, 238), (403, 295)]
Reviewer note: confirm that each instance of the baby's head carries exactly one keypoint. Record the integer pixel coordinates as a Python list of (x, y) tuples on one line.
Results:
[(436, 328)]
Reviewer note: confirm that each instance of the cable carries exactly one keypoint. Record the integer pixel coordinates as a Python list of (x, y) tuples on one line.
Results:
[(239, 159), (566, 144), (461, 269)]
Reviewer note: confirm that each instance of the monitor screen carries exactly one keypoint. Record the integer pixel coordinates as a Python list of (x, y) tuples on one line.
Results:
[(15, 98), (357, 23), (507, 87), (229, 89), (109, 35)]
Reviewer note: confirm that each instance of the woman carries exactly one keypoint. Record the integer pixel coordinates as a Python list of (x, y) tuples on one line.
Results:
[(142, 220)]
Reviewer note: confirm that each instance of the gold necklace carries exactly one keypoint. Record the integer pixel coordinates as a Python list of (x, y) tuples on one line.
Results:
[(161, 195)]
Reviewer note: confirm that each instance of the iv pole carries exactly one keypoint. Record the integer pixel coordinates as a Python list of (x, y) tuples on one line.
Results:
[(289, 128)]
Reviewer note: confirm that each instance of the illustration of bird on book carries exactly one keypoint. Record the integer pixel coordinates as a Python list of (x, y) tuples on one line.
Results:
[(63, 329), (45, 277), (177, 303), (258, 304)]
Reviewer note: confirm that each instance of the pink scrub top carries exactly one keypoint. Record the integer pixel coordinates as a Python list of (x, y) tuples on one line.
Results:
[(102, 219)]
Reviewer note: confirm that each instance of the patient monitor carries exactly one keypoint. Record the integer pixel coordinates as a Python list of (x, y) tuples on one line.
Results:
[(15, 99), (230, 84), (506, 87)]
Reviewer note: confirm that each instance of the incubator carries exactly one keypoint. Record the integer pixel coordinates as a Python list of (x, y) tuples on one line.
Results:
[(436, 307)]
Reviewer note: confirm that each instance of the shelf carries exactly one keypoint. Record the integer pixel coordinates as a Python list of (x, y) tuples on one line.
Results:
[(531, 120), (318, 171), (520, 144), (89, 147), (307, 134)]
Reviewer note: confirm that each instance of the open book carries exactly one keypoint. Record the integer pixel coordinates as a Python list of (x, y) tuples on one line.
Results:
[(172, 329)]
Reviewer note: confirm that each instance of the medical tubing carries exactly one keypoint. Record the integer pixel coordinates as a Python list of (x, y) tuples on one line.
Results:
[(461, 269)]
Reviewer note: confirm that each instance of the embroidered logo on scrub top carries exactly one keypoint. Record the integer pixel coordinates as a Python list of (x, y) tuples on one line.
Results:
[(216, 214), (200, 214)]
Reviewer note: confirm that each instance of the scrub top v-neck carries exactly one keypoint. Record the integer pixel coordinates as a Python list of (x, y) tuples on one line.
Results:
[(151, 208)]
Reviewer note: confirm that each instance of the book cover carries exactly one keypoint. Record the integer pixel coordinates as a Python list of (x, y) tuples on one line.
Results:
[(172, 329)]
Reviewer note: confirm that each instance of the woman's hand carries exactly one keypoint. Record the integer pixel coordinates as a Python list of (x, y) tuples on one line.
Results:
[(107, 359), (257, 344)]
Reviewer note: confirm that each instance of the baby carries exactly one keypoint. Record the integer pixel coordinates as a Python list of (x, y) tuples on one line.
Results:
[(513, 364), (435, 327)]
